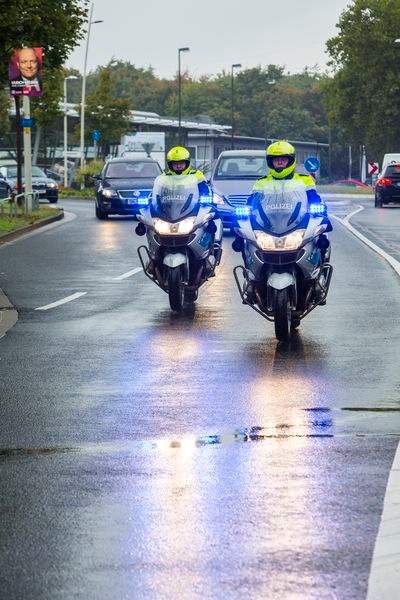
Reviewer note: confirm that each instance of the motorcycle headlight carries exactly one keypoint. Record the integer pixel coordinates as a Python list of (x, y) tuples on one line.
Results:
[(180, 228), (292, 241), (109, 193)]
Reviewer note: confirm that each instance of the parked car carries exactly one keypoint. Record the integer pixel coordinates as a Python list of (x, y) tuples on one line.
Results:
[(232, 179), (387, 188), (350, 183), (121, 182), (5, 188), (46, 186)]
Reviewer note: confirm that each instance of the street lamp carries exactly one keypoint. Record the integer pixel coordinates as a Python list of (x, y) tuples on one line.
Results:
[(66, 128), (236, 66), (82, 145), (179, 91)]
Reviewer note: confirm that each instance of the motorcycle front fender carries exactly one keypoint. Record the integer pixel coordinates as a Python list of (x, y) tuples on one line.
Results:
[(280, 281), (175, 260)]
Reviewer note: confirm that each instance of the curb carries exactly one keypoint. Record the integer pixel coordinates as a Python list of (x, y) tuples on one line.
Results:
[(12, 235)]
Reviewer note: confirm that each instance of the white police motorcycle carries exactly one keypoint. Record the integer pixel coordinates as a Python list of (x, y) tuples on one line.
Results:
[(184, 237), (286, 251)]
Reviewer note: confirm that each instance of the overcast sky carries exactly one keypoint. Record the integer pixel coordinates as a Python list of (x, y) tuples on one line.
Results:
[(219, 33)]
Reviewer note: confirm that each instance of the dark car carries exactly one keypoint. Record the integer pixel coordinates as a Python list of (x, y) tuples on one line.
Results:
[(121, 183), (5, 188), (387, 188), (46, 186), (232, 179)]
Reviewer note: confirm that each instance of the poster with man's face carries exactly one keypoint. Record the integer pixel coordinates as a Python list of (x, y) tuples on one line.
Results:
[(25, 72)]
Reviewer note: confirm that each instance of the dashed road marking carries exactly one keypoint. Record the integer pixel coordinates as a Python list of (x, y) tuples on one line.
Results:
[(127, 274), (62, 301)]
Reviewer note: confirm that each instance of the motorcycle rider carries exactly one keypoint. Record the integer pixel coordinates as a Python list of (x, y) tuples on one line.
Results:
[(281, 161), (178, 161)]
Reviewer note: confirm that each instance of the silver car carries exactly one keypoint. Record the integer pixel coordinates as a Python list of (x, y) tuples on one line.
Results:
[(233, 177)]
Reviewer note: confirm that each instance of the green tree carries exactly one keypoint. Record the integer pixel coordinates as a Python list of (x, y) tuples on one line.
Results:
[(362, 97), (4, 112), (106, 113)]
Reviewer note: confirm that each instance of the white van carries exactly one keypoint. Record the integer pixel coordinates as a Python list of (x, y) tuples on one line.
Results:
[(388, 159)]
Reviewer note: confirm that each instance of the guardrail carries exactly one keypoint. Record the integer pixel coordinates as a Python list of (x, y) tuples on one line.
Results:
[(13, 204)]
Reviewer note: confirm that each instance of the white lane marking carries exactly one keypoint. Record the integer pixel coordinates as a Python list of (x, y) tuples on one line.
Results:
[(384, 577), (345, 222), (62, 301), (127, 274)]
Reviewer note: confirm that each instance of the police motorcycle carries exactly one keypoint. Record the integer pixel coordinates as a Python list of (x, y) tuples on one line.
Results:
[(184, 236), (286, 251)]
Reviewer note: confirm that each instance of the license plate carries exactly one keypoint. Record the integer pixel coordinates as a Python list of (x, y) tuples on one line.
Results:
[(130, 201)]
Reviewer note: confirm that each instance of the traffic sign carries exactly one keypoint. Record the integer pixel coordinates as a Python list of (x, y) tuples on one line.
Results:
[(96, 135), (312, 164), (373, 168), (27, 122)]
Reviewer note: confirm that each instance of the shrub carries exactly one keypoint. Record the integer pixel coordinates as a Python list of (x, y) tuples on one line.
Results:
[(86, 174)]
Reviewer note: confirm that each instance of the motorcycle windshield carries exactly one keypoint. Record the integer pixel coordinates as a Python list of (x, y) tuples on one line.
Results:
[(174, 197), (280, 210)]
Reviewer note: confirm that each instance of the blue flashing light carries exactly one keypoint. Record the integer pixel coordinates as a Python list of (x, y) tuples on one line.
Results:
[(206, 200), (243, 211), (143, 201), (317, 209)]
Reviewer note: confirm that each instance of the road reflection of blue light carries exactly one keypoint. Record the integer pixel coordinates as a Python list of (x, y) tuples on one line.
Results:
[(307, 428)]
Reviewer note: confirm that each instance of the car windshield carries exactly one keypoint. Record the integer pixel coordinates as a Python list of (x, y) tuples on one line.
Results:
[(241, 167), (36, 171), (137, 169)]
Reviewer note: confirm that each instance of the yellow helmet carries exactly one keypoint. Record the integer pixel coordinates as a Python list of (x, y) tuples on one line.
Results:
[(283, 149), (178, 154)]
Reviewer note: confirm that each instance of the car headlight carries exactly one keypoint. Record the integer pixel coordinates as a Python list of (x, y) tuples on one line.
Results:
[(292, 241), (218, 199), (109, 193), (52, 185), (180, 228)]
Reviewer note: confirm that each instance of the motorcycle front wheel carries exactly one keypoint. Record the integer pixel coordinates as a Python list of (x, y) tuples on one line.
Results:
[(282, 315), (176, 289)]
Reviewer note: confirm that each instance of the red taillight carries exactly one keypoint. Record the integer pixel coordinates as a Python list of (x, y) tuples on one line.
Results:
[(385, 181)]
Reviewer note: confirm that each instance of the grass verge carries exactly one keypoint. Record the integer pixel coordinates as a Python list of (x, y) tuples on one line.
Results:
[(12, 223)]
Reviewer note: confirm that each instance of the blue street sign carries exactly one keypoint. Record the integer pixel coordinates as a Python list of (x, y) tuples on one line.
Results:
[(312, 164), (27, 122), (96, 135)]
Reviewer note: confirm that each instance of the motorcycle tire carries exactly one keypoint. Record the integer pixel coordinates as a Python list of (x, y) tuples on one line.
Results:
[(191, 296), (176, 290), (282, 315)]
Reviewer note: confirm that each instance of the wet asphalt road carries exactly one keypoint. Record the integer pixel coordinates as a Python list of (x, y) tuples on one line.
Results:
[(145, 455)]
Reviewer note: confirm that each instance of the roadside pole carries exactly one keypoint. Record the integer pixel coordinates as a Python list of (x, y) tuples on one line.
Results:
[(27, 153), (18, 143)]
